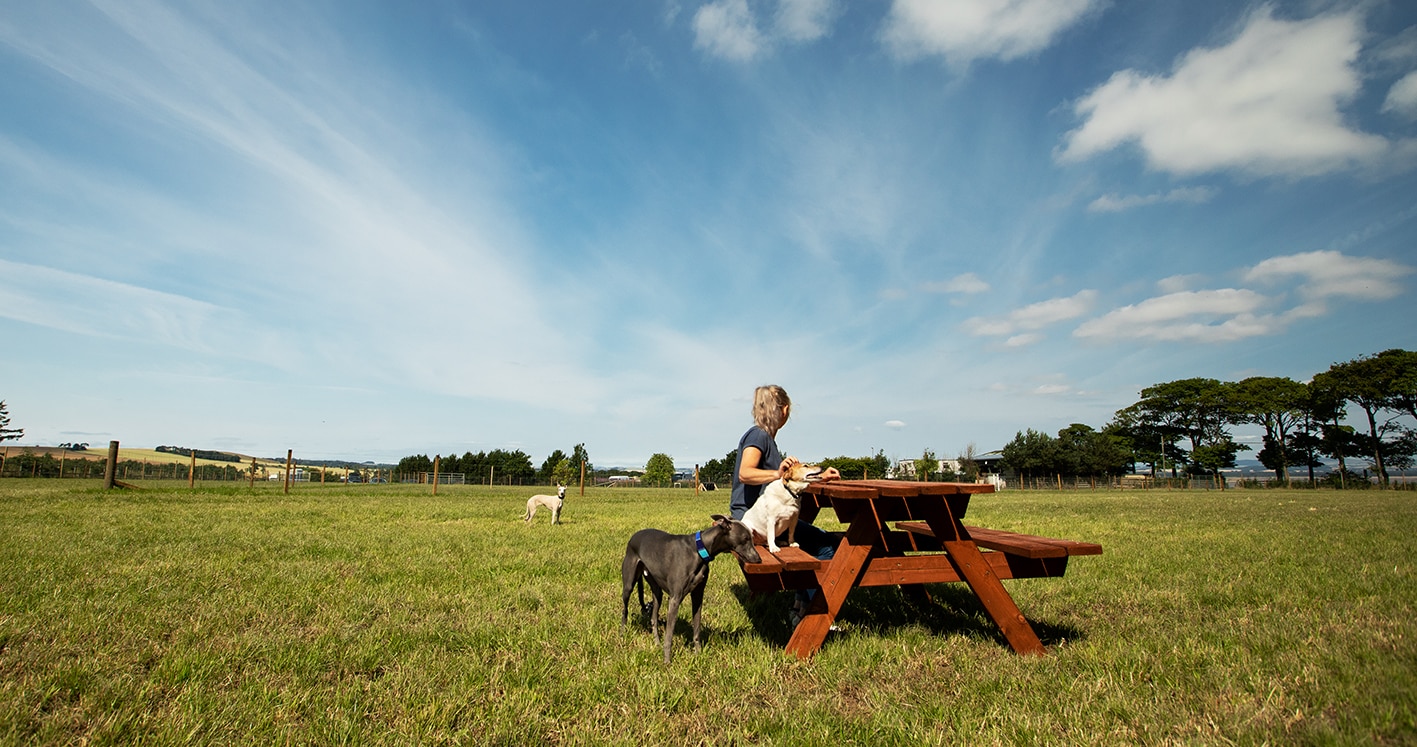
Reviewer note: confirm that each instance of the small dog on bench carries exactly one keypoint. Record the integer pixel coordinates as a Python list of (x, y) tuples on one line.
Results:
[(679, 564), (551, 502), (778, 506)]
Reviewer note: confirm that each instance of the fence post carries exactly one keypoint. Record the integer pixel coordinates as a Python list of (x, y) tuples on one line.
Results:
[(192, 470), (110, 473), (289, 453), (1404, 477), (436, 459), (252, 484)]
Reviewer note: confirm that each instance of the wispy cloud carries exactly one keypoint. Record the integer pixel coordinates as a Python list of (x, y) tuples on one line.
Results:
[(96, 307), (966, 30), (805, 20), (731, 30), (1115, 203), (1331, 274), (1222, 315), (968, 284), (1032, 317), (1402, 97), (1232, 314), (1266, 104), (727, 29)]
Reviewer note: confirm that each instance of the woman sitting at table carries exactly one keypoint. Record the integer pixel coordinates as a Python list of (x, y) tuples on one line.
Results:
[(759, 463)]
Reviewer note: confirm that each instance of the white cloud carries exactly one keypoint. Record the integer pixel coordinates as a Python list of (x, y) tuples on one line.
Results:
[(1114, 203), (1266, 104), (805, 20), (1230, 314), (1032, 317), (1402, 97), (731, 30), (895, 424), (1052, 389), (965, 30), (1330, 274), (102, 308), (727, 29), (967, 283), (1221, 315), (1176, 283), (1023, 340)]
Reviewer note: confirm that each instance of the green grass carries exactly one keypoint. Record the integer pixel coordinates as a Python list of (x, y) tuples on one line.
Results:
[(386, 615)]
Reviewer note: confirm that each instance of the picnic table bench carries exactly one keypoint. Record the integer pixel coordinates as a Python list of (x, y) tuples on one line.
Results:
[(906, 534)]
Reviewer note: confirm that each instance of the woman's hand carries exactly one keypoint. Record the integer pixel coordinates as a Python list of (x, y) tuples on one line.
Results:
[(830, 473), (788, 463)]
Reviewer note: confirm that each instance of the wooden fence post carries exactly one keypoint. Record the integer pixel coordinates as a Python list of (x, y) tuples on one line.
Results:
[(582, 477), (288, 454), (253, 473), (192, 470), (110, 473), (436, 459)]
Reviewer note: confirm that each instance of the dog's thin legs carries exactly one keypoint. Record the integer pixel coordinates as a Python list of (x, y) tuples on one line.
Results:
[(696, 599), (673, 617), (630, 575), (657, 595)]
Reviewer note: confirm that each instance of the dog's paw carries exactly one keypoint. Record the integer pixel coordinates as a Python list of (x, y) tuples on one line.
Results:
[(794, 544)]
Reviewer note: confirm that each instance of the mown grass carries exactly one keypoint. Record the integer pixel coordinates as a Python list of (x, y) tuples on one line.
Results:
[(386, 615)]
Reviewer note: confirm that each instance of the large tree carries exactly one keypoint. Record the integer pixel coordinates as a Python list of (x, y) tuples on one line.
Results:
[(1378, 384), (6, 432), (548, 467), (659, 470), (720, 470), (1278, 404), (1031, 453), (1086, 452), (1195, 409)]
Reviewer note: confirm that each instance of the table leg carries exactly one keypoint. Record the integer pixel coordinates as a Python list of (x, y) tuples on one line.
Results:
[(842, 573), (982, 580)]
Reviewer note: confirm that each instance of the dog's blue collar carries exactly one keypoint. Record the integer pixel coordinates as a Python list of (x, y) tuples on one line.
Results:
[(699, 543)]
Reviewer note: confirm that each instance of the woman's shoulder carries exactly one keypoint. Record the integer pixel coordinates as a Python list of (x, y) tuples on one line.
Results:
[(755, 436)]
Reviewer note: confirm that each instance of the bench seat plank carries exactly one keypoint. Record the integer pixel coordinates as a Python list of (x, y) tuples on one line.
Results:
[(788, 559), (1026, 545)]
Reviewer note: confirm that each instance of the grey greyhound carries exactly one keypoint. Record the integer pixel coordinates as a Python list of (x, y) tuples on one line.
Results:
[(679, 564)]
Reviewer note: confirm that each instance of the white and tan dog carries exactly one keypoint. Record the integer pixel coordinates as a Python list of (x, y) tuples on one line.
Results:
[(552, 502), (778, 506)]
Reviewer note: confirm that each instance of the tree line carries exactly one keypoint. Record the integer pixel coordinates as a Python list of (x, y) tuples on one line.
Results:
[(513, 467), (851, 468), (1184, 425)]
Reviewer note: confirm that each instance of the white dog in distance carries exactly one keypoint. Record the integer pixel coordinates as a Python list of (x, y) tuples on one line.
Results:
[(552, 502)]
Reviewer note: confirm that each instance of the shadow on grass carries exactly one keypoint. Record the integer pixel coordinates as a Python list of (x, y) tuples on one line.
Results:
[(951, 609)]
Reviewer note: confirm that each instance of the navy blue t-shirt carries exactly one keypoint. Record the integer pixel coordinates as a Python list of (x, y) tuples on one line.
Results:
[(744, 496)]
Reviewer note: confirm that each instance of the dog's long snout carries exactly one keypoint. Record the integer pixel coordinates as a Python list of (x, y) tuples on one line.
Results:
[(748, 554), (813, 474)]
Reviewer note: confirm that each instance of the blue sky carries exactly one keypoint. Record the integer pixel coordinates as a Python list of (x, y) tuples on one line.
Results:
[(367, 230)]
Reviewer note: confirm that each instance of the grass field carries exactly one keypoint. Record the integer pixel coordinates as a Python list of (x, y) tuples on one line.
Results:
[(386, 615)]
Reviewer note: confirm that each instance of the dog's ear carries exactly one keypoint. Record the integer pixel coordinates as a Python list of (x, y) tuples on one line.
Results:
[(720, 519)]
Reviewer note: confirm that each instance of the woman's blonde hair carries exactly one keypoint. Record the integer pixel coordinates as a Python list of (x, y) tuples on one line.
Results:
[(768, 408)]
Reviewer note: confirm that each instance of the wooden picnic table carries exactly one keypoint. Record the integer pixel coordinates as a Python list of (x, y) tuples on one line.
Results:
[(906, 534)]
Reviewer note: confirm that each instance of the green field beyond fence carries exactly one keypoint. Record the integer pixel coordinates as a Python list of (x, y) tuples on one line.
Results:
[(385, 615)]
